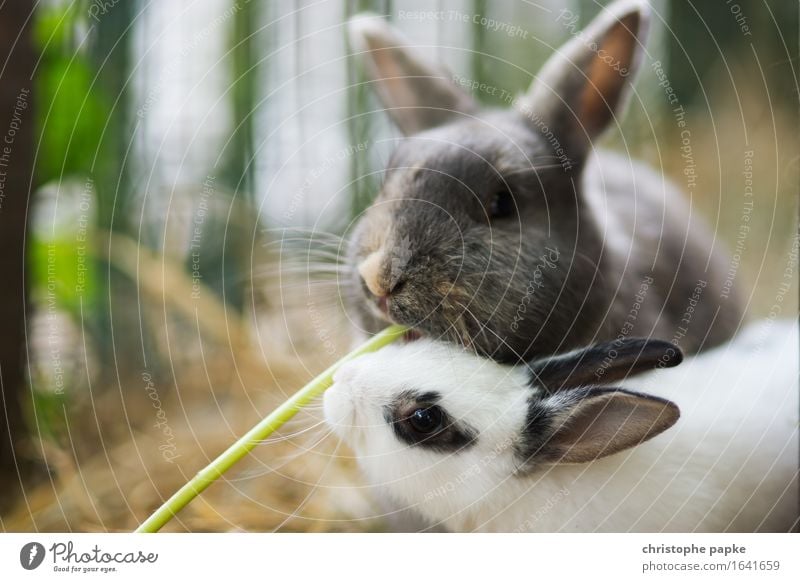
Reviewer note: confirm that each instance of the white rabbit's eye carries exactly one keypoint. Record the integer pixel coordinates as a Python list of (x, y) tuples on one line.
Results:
[(418, 421), (502, 205), (426, 420)]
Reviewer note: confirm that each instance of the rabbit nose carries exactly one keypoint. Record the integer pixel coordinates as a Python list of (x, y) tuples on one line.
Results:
[(370, 271), (345, 374)]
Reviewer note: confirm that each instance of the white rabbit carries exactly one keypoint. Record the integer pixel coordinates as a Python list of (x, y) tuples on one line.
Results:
[(470, 444)]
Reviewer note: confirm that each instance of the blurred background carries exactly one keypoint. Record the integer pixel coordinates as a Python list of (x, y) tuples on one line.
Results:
[(175, 181)]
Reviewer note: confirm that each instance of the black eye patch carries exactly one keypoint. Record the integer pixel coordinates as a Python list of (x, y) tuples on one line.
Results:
[(417, 420)]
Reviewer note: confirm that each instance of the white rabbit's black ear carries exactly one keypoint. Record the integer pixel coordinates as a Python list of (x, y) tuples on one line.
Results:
[(603, 363), (586, 83), (586, 424), (416, 94)]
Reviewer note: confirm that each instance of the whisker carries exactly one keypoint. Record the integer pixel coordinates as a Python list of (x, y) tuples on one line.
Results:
[(304, 450), (481, 326), (284, 460), (310, 492), (534, 169), (296, 254), (322, 267), (301, 229), (293, 272), (284, 438)]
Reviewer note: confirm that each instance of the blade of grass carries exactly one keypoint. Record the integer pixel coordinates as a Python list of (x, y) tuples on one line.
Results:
[(260, 432)]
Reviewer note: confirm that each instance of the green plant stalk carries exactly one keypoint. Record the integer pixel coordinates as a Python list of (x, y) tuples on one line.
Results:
[(259, 432)]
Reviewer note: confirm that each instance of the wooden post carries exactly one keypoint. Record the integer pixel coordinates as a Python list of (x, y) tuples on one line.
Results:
[(16, 181)]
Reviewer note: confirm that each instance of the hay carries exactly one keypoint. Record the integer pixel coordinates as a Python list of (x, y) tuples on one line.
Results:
[(302, 482), (111, 468)]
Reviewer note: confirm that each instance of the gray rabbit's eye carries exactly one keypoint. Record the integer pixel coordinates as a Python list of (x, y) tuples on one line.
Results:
[(502, 205)]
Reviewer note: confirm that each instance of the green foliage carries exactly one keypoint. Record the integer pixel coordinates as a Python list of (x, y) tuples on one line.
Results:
[(61, 268), (72, 124), (71, 113), (48, 416), (72, 110)]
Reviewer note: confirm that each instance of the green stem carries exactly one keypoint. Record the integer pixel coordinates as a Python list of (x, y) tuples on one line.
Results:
[(260, 432)]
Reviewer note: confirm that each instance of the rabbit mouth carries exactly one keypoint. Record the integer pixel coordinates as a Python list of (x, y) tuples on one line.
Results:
[(383, 306), (379, 306), (412, 335), (444, 323), (449, 319)]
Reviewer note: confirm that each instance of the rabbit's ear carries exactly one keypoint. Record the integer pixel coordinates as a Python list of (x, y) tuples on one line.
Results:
[(586, 83), (603, 363), (416, 94), (588, 424)]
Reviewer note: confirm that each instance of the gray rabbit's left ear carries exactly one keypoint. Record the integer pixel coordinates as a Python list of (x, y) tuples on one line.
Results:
[(416, 94), (587, 82)]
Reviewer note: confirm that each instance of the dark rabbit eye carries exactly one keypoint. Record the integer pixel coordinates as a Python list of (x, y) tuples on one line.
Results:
[(426, 420), (502, 205), (418, 421)]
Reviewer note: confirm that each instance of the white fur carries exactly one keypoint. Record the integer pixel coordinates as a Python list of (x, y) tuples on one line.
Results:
[(729, 464)]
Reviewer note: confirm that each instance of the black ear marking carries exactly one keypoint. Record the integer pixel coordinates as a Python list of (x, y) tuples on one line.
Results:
[(585, 424), (603, 363)]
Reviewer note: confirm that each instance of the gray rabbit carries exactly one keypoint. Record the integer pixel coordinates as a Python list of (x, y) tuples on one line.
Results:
[(506, 232)]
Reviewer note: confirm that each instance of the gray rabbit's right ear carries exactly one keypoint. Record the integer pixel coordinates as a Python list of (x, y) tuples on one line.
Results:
[(582, 87), (416, 94)]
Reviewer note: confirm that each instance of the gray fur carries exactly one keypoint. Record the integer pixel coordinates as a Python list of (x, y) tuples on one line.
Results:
[(494, 285)]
